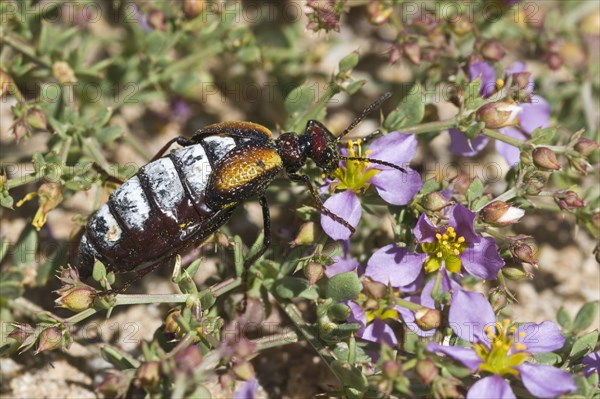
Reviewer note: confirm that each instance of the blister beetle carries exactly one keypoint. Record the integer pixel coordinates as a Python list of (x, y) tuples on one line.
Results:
[(180, 199)]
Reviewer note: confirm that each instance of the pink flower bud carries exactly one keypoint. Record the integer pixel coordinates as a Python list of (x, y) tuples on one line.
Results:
[(412, 50), (435, 201), (148, 375), (492, 50), (568, 200), (314, 272), (501, 213), (426, 371), (544, 158), (36, 118), (524, 250), (498, 114), (428, 319), (77, 299), (50, 339), (193, 8), (306, 235), (586, 146)]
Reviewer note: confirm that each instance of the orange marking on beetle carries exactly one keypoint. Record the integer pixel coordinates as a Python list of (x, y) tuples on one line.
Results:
[(239, 125), (244, 166)]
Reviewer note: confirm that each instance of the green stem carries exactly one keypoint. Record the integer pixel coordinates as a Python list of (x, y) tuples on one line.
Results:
[(407, 304), (19, 181), (310, 335), (427, 127), (276, 340), (499, 136), (25, 50), (508, 195)]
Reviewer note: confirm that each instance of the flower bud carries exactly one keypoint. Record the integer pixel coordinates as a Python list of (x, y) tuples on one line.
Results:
[(461, 25), (501, 213), (535, 181), (525, 251), (586, 146), (521, 80), (156, 19), (187, 360), (172, 329), (498, 114), (498, 299), (579, 163), (554, 60), (515, 272), (492, 50), (306, 234), (434, 201), (446, 387), (391, 370), (544, 158), (20, 332), (568, 200), (379, 12), (50, 339), (115, 384), (426, 371), (314, 272), (374, 289), (77, 299), (243, 370), (412, 50), (148, 375), (36, 118), (63, 73), (193, 8), (428, 319)]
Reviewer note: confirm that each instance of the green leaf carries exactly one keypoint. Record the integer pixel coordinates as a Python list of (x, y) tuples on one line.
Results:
[(290, 287), (11, 283), (563, 318), (7, 201), (99, 271), (4, 245), (547, 358), (584, 345), (109, 133), (586, 316), (249, 54), (348, 62), (472, 97), (409, 112), (343, 287), (355, 86), (25, 251), (119, 359), (300, 99), (475, 190), (548, 135)]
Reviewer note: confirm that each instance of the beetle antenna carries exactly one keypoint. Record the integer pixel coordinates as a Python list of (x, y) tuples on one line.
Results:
[(364, 114), (376, 161)]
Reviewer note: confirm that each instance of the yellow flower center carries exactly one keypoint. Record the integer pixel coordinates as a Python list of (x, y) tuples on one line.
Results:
[(355, 175), (496, 357), (445, 250)]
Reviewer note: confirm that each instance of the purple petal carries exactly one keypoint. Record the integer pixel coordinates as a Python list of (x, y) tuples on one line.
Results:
[(466, 356), (460, 146), (543, 337), (591, 362), (516, 67), (341, 265), (357, 315), (469, 314), (492, 387), (396, 187), (378, 331), (488, 77), (394, 265), (463, 221), (424, 230), (535, 114), (395, 147), (546, 381), (247, 390), (345, 205), (509, 152), (447, 284), (482, 259)]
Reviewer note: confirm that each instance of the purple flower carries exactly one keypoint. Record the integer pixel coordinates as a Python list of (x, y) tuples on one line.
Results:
[(501, 349), (373, 327), (591, 363), (343, 264), (532, 116), (247, 390), (451, 247), (352, 177)]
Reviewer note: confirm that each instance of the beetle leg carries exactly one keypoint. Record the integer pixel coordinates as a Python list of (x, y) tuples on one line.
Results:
[(182, 141), (306, 180), (266, 243)]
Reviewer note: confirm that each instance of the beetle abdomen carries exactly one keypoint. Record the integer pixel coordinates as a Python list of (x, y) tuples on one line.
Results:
[(156, 212)]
